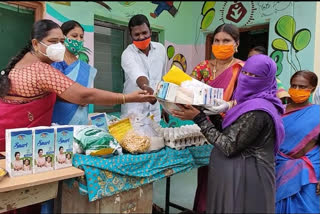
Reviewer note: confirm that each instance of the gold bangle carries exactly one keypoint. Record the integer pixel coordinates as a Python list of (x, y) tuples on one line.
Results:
[(123, 98), (119, 99)]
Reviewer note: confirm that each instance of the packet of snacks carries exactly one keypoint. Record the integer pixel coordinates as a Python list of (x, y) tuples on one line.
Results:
[(135, 143)]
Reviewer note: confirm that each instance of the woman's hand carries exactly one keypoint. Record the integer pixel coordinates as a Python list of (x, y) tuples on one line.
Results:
[(140, 97), (318, 188), (187, 112), (222, 106)]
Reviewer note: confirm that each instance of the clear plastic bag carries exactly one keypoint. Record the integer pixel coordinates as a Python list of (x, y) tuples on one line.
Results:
[(146, 127), (135, 143)]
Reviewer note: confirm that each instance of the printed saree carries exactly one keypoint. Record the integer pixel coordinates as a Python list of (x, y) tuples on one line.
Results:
[(296, 179)]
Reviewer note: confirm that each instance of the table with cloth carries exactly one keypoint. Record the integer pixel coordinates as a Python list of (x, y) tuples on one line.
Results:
[(106, 177)]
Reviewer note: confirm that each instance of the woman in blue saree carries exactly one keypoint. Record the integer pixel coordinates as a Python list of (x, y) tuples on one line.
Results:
[(66, 113), (298, 161)]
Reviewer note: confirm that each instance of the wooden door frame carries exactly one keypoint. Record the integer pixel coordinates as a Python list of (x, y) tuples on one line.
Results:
[(38, 6), (209, 37)]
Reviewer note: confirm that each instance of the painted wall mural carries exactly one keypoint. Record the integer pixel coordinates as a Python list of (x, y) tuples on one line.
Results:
[(178, 60), (236, 12), (102, 4), (272, 7), (298, 40), (208, 12), (164, 5), (170, 51), (127, 3)]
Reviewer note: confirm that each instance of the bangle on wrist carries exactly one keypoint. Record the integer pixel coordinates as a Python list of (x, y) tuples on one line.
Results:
[(123, 99), (120, 99)]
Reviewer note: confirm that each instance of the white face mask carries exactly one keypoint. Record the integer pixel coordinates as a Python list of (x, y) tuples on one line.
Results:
[(55, 52)]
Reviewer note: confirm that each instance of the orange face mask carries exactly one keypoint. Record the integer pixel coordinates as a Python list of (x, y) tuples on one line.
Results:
[(223, 51), (299, 95), (143, 44)]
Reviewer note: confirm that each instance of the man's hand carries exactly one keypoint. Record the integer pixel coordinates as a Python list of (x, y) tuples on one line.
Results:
[(150, 92), (143, 83), (318, 188)]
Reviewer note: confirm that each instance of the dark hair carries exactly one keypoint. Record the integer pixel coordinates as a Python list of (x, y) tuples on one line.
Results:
[(137, 20), (39, 31), (61, 147), (66, 27), (308, 75), (40, 150), (259, 49), (230, 29), (15, 154)]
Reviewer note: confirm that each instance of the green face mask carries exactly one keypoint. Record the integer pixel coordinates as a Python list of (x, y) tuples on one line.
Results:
[(73, 45)]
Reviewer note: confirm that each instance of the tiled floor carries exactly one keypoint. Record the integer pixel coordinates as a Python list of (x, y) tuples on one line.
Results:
[(183, 187)]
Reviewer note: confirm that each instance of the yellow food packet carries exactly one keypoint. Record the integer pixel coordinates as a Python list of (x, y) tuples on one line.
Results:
[(120, 128), (176, 75), (102, 152)]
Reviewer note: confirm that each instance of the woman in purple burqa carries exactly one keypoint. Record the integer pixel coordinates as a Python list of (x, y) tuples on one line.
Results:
[(242, 164)]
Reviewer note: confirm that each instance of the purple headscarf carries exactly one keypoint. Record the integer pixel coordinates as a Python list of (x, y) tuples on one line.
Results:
[(258, 93)]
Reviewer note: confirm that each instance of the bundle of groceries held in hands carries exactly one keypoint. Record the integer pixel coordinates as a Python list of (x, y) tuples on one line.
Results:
[(178, 87)]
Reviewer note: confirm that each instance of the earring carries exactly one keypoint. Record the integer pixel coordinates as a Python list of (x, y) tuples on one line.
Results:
[(236, 49)]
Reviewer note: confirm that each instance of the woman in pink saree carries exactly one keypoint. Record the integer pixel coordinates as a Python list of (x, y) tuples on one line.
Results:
[(29, 86), (221, 72)]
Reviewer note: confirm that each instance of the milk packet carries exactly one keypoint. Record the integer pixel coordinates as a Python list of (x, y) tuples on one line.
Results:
[(43, 145), (19, 151), (99, 120), (63, 146)]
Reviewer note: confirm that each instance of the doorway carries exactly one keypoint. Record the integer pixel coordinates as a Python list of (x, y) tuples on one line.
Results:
[(252, 37)]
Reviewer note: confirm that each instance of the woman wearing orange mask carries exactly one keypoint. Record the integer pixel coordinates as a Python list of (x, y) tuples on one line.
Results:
[(220, 72), (298, 162)]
